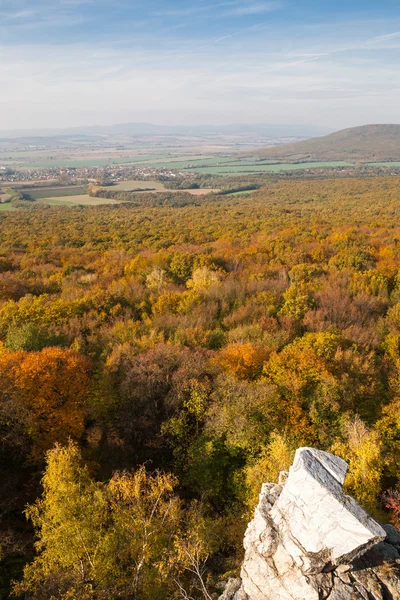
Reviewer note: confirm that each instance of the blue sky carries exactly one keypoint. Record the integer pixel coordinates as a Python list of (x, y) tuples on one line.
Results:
[(78, 62)]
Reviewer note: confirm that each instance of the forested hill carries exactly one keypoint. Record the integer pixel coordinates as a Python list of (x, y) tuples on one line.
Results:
[(367, 143)]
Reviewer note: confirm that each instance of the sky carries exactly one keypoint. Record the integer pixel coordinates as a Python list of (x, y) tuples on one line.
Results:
[(331, 63)]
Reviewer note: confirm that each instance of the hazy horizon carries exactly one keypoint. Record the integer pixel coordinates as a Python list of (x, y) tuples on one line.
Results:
[(262, 129), (71, 63)]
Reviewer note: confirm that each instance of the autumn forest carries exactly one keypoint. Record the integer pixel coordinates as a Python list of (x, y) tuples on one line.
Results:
[(158, 363)]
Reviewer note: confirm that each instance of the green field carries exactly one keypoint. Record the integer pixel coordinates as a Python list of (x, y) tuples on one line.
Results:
[(268, 168), (210, 162), (6, 206)]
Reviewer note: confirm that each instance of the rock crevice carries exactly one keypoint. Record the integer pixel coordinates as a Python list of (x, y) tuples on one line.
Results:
[(310, 541)]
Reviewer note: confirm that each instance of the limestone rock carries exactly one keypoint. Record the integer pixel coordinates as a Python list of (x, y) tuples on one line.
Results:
[(309, 541), (318, 519)]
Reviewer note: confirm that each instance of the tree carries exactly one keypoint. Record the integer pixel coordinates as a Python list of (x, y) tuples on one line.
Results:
[(308, 406), (296, 301), (69, 520), (156, 280), (124, 538), (202, 279), (31, 337), (245, 361), (391, 501), (51, 386), (362, 448), (276, 457)]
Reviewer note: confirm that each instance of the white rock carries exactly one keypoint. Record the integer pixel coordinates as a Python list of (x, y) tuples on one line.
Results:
[(317, 516), (302, 531)]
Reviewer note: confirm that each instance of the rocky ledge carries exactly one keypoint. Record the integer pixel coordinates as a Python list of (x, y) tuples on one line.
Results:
[(310, 541)]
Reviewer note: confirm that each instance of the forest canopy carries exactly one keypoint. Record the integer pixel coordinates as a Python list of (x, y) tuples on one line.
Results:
[(157, 363)]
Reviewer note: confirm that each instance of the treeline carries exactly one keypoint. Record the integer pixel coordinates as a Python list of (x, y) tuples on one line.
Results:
[(158, 364), (18, 198), (142, 197)]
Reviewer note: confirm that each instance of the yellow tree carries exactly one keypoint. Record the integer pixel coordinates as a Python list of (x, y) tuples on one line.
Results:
[(277, 456), (362, 448), (69, 520), (124, 538)]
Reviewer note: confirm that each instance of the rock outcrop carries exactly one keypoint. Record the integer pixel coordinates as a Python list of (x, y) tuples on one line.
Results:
[(310, 541)]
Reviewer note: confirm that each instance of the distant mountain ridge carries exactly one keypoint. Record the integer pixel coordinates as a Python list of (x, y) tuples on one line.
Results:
[(368, 143), (143, 129)]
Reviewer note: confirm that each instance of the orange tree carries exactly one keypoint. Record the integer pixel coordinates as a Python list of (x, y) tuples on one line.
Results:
[(51, 386)]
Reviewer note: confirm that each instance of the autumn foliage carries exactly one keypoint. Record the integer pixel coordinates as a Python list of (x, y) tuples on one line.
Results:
[(206, 341), (50, 387)]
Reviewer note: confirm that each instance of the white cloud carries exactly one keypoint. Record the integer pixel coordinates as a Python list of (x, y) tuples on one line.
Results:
[(323, 75)]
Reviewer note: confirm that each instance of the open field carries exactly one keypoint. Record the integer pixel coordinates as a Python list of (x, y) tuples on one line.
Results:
[(201, 191), (268, 168), (74, 200), (132, 185), (5, 206), (156, 186), (190, 159), (89, 162), (70, 195), (53, 191)]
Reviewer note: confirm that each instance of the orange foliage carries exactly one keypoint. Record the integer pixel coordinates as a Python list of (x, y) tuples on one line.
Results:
[(51, 386), (245, 361)]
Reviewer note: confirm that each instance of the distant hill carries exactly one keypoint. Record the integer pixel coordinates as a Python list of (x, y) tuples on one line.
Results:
[(369, 143), (148, 129)]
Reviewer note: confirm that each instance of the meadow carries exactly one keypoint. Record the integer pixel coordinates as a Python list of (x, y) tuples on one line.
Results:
[(6, 206)]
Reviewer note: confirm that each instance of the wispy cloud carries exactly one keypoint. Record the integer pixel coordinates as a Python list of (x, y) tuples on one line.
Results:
[(384, 38), (252, 8), (218, 60), (222, 9), (17, 15)]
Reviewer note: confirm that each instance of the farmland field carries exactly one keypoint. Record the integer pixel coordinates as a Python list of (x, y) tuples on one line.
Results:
[(203, 160), (201, 191), (74, 200), (53, 191), (84, 162), (132, 185), (155, 186), (6, 206), (269, 168)]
